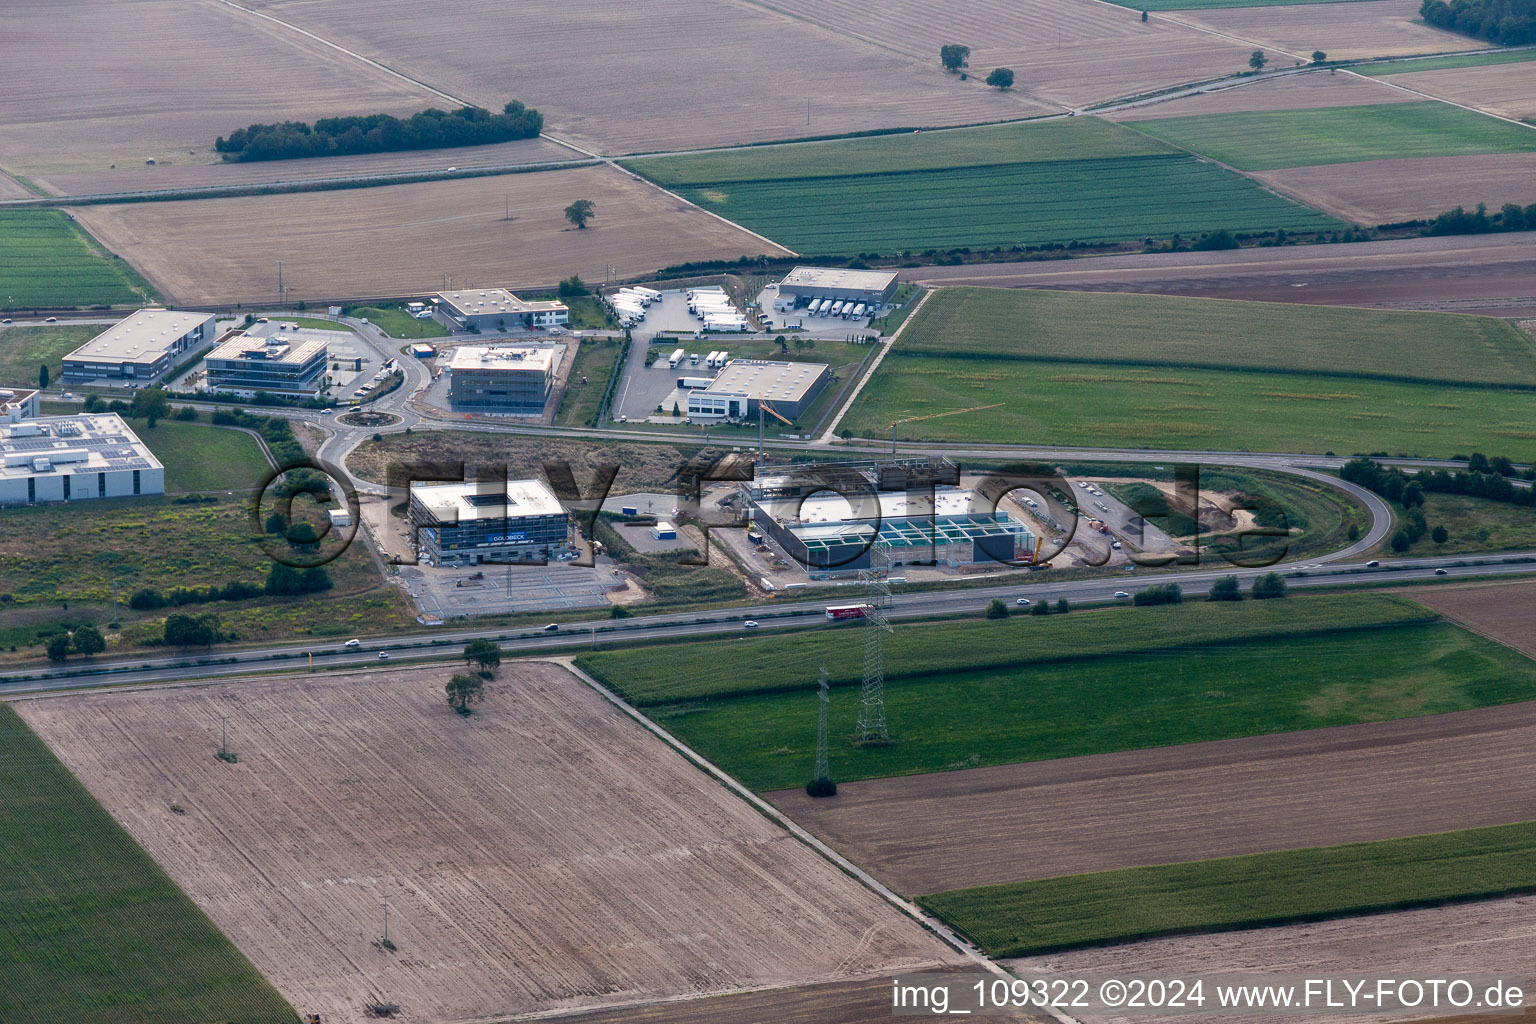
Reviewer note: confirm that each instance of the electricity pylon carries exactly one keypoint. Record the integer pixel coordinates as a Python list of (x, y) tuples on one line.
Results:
[(823, 768), (872, 725)]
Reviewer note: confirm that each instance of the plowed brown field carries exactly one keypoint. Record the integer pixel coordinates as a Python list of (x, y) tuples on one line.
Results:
[(403, 239), (984, 826), (1491, 937), (1377, 28), (1293, 92), (1389, 191), (1503, 612), (1505, 89), (546, 853)]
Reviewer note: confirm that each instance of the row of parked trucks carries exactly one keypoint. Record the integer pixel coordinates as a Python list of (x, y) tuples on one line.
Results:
[(715, 360), (629, 304), (719, 315), (848, 310)]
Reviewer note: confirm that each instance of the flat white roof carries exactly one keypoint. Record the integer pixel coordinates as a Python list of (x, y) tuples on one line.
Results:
[(835, 277), (72, 445), (476, 357), (478, 499), (472, 302), (14, 396), (142, 337), (276, 349), (761, 378), (827, 507)]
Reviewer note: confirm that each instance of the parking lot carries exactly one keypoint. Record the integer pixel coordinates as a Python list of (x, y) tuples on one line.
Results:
[(448, 593)]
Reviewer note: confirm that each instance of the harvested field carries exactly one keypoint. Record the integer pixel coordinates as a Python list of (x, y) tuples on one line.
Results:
[(1490, 937), (546, 853), (1293, 92), (81, 96), (1013, 823), (1070, 52), (1508, 90), (1389, 191), (10, 188), (402, 239), (1476, 273), (1499, 611), (1378, 28), (128, 178), (749, 70)]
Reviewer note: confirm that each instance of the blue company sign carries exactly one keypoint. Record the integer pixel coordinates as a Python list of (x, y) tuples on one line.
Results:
[(502, 538)]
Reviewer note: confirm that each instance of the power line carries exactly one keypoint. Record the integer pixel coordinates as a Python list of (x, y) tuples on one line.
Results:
[(823, 768)]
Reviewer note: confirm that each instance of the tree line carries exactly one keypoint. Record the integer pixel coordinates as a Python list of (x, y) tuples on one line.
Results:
[(381, 133), (1511, 217), (1507, 22)]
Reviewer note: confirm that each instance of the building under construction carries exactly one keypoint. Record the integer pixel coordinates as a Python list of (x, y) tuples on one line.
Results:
[(842, 517)]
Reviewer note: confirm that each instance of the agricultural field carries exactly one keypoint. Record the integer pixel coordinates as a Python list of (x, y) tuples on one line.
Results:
[(94, 929), (1272, 139), (45, 260), (23, 349), (1016, 823), (1070, 52), (1499, 611), (1501, 88), (1243, 892), (1002, 206), (1202, 5), (1466, 60), (762, 67), (1105, 696), (1493, 936), (114, 108), (1346, 31), (547, 822), (1155, 383), (413, 236), (1393, 191), (1292, 92)]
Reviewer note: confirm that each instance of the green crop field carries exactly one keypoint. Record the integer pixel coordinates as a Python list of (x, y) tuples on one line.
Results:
[(1243, 892), (46, 260), (1267, 140), (198, 457), (998, 185), (1062, 686), (24, 349), (1166, 372), (1221, 334), (1006, 205), (93, 929), (1085, 138), (1470, 60)]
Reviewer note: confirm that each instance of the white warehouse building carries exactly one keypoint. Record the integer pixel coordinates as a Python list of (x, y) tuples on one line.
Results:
[(74, 458), (141, 347)]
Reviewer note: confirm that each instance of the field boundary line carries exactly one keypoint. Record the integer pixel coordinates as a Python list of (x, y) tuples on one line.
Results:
[(869, 374), (614, 163), (906, 907)]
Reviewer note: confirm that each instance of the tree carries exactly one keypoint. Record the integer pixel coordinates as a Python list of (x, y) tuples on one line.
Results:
[(1318, 56), (42, 377), (618, 611), (581, 211), (87, 639), (1041, 608), (1063, 606), (1401, 542), (1413, 495), (1257, 60), (1226, 589), (1440, 535), (1160, 593), (187, 631), (676, 409), (1268, 586), (463, 690), (150, 405), (996, 609), (954, 56), (302, 535), (821, 788), (572, 286), (1143, 15), (484, 653), (1000, 78), (58, 647), (276, 523)]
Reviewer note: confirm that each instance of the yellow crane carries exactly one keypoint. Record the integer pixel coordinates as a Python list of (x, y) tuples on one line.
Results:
[(934, 416), (762, 407)]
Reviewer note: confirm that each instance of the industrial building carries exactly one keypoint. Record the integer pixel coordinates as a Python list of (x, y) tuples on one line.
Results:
[(488, 521), (804, 285), (141, 347), (17, 405), (279, 365), (743, 384), (73, 458), (504, 380), (881, 517), (495, 309)]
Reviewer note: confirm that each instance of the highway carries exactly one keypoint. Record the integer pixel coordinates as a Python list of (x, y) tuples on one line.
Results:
[(771, 617)]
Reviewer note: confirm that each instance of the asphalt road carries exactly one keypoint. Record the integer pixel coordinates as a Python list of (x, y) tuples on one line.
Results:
[(728, 621)]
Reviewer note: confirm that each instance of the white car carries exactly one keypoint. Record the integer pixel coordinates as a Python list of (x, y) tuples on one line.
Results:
[(353, 643), (749, 624), (383, 655), (1441, 572), (1372, 564), (1122, 595), (1022, 602)]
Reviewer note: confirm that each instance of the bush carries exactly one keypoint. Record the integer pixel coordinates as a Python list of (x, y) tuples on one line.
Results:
[(821, 787), (1268, 586), (1063, 606), (618, 611), (1160, 593), (1226, 589), (58, 647), (996, 609), (1440, 535), (1042, 608), (87, 639), (1401, 542), (146, 599)]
